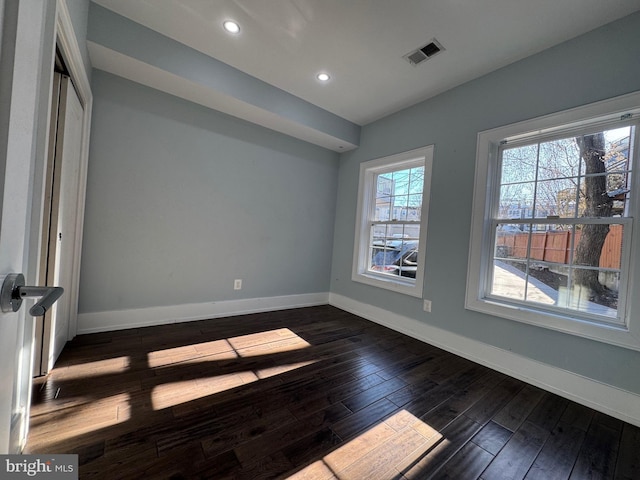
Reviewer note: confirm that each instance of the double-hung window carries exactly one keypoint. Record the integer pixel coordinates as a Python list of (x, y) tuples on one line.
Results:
[(554, 210), (391, 227)]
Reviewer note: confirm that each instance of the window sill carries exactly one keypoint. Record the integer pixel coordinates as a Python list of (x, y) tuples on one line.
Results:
[(398, 284), (604, 332)]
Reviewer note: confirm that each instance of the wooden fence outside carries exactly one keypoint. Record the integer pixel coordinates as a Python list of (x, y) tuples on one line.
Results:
[(556, 246)]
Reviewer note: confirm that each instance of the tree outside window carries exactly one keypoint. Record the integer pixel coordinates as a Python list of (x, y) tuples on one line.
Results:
[(553, 241)]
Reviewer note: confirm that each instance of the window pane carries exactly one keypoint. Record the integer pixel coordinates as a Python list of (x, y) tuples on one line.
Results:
[(516, 200), (519, 164), (512, 241), (398, 211), (416, 183), (618, 163), (617, 145), (383, 209), (384, 185), (594, 200), (533, 283), (580, 297), (401, 180), (571, 177), (619, 193), (378, 235), (559, 159), (394, 249), (507, 279), (598, 246), (557, 198), (576, 267), (414, 208), (606, 163), (388, 229)]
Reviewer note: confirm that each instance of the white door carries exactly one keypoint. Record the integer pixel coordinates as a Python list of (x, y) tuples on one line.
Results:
[(22, 27), (62, 237)]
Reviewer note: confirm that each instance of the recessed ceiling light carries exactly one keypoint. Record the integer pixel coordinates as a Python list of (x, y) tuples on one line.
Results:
[(231, 26), (323, 77)]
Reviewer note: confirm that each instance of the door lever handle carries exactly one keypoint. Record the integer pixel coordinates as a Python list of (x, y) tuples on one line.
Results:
[(14, 290)]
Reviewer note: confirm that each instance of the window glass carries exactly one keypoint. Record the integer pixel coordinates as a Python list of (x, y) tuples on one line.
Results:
[(553, 241), (584, 180), (390, 231)]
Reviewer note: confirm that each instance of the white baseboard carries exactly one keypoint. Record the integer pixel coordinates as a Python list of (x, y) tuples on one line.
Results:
[(605, 398), (144, 317)]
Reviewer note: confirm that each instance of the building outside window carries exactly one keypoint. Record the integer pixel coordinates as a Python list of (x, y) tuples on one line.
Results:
[(552, 234), (392, 219)]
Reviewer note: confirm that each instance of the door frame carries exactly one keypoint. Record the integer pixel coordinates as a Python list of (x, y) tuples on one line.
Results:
[(68, 45), (65, 41)]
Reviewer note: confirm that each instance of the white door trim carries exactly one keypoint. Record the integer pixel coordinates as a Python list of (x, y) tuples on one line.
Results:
[(68, 44)]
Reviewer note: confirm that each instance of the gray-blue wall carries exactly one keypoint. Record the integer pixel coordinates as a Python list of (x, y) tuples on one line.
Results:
[(182, 200), (79, 11), (599, 65)]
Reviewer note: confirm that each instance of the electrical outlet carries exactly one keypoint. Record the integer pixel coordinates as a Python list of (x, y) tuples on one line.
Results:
[(237, 284), (427, 305)]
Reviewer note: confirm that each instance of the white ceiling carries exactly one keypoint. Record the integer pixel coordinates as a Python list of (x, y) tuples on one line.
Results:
[(361, 43)]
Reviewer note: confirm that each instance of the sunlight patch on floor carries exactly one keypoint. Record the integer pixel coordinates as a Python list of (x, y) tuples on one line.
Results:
[(272, 341), (100, 367), (383, 452), (227, 374), (280, 369), (189, 353), (70, 422), (174, 393)]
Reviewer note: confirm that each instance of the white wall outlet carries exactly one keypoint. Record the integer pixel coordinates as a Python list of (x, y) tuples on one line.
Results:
[(427, 305), (237, 284)]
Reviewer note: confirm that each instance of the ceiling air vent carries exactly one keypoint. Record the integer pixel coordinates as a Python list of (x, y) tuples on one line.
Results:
[(424, 53)]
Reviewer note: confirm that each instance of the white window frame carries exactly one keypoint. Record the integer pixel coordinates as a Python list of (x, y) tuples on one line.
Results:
[(625, 334), (366, 203)]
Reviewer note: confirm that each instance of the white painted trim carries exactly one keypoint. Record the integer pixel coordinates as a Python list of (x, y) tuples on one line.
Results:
[(67, 41), (145, 317), (366, 196), (488, 142), (599, 396)]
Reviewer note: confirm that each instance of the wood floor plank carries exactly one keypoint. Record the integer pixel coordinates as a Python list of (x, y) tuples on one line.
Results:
[(309, 393), (372, 394), (241, 432), (463, 399), (279, 438), (338, 392), (348, 427), (519, 408), (597, 457), (492, 437), (486, 407), (454, 437), (517, 456), (548, 411), (628, 464), (468, 463), (578, 416), (558, 455)]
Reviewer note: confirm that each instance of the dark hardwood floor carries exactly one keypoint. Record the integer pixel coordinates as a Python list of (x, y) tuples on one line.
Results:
[(313, 393)]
